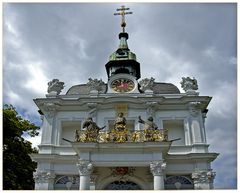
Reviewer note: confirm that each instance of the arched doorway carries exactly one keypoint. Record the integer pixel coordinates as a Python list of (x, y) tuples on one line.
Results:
[(122, 185)]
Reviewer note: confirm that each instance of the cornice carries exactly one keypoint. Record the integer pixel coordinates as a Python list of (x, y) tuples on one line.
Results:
[(192, 157), (54, 158), (168, 102)]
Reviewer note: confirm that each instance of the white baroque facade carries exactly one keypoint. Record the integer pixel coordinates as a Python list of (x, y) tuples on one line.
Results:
[(127, 155)]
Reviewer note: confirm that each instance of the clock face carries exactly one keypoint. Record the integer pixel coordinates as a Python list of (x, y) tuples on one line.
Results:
[(122, 85)]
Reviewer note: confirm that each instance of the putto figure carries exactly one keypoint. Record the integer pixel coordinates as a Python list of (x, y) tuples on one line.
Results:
[(55, 87)]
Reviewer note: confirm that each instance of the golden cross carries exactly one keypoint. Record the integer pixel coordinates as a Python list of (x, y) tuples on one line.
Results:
[(123, 13)]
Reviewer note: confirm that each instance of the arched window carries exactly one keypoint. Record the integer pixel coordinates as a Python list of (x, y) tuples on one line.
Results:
[(178, 182), (66, 183)]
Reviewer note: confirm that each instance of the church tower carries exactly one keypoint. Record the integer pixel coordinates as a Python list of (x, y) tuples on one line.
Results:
[(125, 134)]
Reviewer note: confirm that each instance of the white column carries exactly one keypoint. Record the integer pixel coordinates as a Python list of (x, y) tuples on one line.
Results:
[(157, 168), (85, 169), (203, 180), (44, 180)]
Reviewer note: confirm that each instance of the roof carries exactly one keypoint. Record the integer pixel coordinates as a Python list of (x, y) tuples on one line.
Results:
[(83, 89), (165, 88)]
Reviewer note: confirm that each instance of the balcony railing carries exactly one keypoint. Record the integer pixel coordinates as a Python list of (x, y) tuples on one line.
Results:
[(121, 136)]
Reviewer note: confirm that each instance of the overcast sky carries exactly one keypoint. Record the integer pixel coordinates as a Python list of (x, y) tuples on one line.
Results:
[(72, 42)]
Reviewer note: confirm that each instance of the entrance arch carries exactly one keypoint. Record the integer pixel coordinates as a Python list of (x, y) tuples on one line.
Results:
[(123, 185), (103, 184)]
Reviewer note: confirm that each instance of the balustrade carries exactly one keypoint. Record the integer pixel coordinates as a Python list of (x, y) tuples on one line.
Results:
[(121, 136)]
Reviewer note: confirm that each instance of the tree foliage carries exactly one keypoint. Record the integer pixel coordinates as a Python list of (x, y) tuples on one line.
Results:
[(18, 167)]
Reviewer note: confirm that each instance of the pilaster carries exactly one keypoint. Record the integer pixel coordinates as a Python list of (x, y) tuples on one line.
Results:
[(50, 110)]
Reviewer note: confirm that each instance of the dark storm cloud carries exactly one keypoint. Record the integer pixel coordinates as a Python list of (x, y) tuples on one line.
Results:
[(188, 32), (82, 39), (73, 41), (221, 135)]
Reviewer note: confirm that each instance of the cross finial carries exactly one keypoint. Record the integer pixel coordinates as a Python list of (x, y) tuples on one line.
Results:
[(123, 13)]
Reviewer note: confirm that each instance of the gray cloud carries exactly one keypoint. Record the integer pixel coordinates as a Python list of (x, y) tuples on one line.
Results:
[(72, 42)]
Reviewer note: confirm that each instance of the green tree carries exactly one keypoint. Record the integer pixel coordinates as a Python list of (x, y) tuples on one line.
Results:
[(18, 167)]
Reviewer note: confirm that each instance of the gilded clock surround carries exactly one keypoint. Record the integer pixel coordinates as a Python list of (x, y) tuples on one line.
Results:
[(122, 85)]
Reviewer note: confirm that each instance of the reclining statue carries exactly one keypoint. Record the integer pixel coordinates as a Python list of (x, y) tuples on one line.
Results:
[(151, 131), (91, 130), (149, 124)]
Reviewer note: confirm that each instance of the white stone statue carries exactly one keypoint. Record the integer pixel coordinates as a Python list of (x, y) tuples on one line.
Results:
[(146, 84), (95, 84), (55, 87), (148, 124), (189, 84)]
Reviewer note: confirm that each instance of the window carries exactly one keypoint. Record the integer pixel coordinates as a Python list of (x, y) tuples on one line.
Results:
[(68, 130), (175, 130), (66, 183), (178, 182)]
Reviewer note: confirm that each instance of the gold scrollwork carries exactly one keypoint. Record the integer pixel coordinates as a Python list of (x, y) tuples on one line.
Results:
[(137, 136), (119, 136), (104, 137), (152, 135), (122, 136)]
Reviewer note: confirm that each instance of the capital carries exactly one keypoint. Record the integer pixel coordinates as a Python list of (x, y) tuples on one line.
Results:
[(43, 176), (157, 167), (203, 176), (194, 108), (151, 108), (49, 109), (85, 168)]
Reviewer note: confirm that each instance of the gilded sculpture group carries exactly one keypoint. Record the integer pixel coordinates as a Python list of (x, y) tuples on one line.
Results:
[(91, 132)]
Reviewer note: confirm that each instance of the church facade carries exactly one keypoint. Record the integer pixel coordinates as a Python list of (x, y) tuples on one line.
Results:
[(126, 134)]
